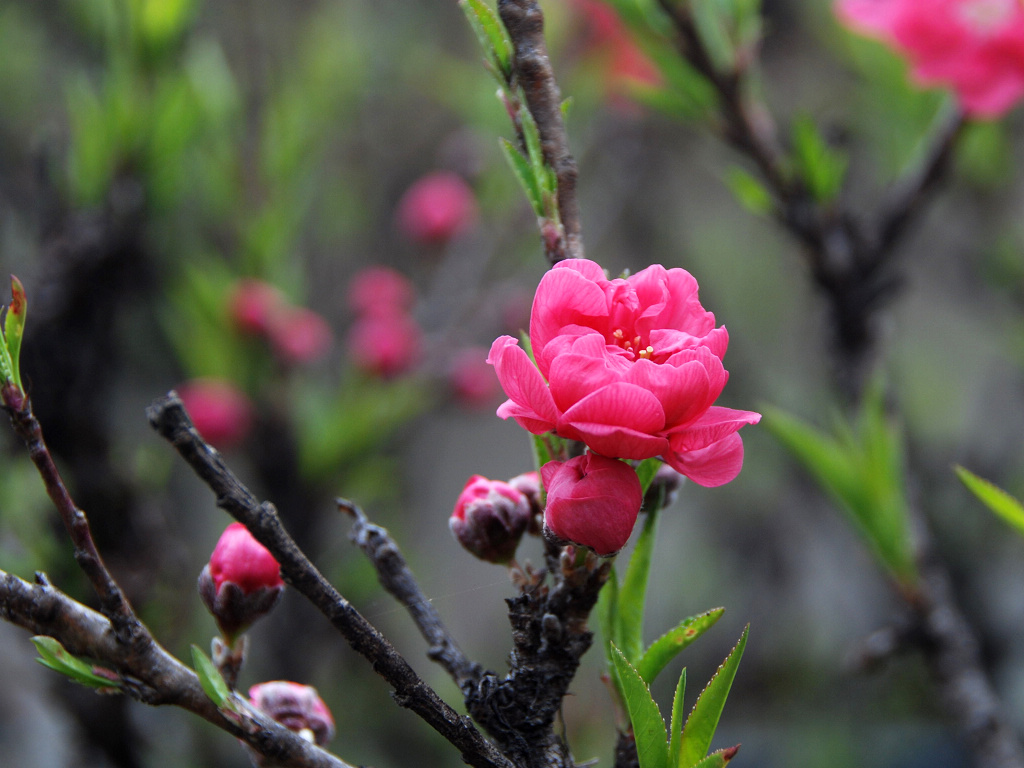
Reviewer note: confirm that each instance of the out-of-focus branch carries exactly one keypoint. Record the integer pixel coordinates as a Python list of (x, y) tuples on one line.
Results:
[(147, 672), (532, 71), (398, 580), (113, 603), (169, 418)]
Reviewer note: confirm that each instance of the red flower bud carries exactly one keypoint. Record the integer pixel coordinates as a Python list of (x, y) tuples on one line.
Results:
[(592, 501), (252, 306), (297, 707), (490, 518), (220, 411), (385, 345), (436, 208), (379, 289), (241, 583), (299, 335)]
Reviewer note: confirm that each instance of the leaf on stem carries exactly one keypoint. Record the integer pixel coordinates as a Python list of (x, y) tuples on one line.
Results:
[(211, 680), (53, 655), (524, 172), (648, 725), (995, 498), (491, 33), (668, 646), (633, 592)]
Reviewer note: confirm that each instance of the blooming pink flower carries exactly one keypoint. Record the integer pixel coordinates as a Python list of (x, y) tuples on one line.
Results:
[(592, 501), (385, 345), (241, 582), (436, 208), (299, 335), (297, 707), (630, 367), (974, 47), (490, 518), (219, 410), (252, 306), (377, 290), (472, 379)]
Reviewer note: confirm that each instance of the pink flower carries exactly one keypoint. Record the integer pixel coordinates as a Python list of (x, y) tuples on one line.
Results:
[(974, 47), (252, 306), (490, 518), (592, 501), (219, 410), (241, 582), (377, 290), (299, 335), (436, 208), (385, 345), (472, 380), (630, 367), (297, 707)]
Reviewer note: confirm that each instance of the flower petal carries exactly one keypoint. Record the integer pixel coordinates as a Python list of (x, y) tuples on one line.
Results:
[(713, 426), (620, 420), (715, 465), (529, 397)]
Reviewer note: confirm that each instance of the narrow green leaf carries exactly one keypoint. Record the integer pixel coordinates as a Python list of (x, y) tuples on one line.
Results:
[(821, 167), (718, 759), (14, 327), (633, 594), (607, 615), (53, 655), (749, 191), (648, 726), (524, 172), (210, 679), (675, 738), (994, 497), (646, 471), (703, 720), (490, 32), (566, 107), (668, 646), (531, 138)]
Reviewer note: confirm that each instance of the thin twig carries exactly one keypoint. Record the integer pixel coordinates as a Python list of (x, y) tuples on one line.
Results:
[(532, 70), (168, 417), (148, 674), (398, 580), (128, 629)]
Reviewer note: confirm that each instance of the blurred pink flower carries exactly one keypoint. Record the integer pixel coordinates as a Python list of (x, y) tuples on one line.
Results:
[(377, 290), (297, 707), (385, 345), (252, 306), (630, 367), (592, 500), (436, 208), (472, 380), (609, 38), (299, 335), (219, 410), (974, 47), (490, 518)]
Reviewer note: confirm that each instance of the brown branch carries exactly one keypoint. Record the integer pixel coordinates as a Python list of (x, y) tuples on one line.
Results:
[(148, 673), (532, 71), (398, 580), (169, 418), (128, 629)]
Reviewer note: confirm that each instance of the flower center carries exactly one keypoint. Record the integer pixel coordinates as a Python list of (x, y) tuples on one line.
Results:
[(634, 346), (986, 17)]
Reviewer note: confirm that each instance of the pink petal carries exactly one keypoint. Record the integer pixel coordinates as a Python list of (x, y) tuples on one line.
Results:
[(620, 421), (715, 465), (566, 297), (715, 425), (522, 383), (684, 392)]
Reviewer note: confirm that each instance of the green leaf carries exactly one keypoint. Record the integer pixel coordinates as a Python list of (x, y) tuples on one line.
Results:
[(53, 655), (749, 191), (607, 615), (633, 594), (994, 497), (676, 728), (646, 471), (14, 327), (534, 150), (822, 168), (210, 679), (491, 34), (648, 726), (524, 172), (703, 720), (668, 646), (718, 759)]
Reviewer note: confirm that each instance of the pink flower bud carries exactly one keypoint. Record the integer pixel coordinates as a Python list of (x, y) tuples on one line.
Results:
[(297, 707), (592, 501), (299, 335), (377, 290), (489, 519), (472, 380), (436, 208), (529, 485), (241, 583), (385, 345), (219, 410), (252, 306)]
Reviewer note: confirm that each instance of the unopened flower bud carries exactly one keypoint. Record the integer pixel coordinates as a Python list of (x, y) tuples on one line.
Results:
[(663, 489), (592, 501), (385, 345), (253, 305), (298, 708), (376, 290), (490, 518), (241, 583), (529, 485), (218, 409), (436, 208), (299, 335)]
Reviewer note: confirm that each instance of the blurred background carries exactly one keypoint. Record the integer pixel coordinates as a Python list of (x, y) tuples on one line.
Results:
[(191, 193)]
